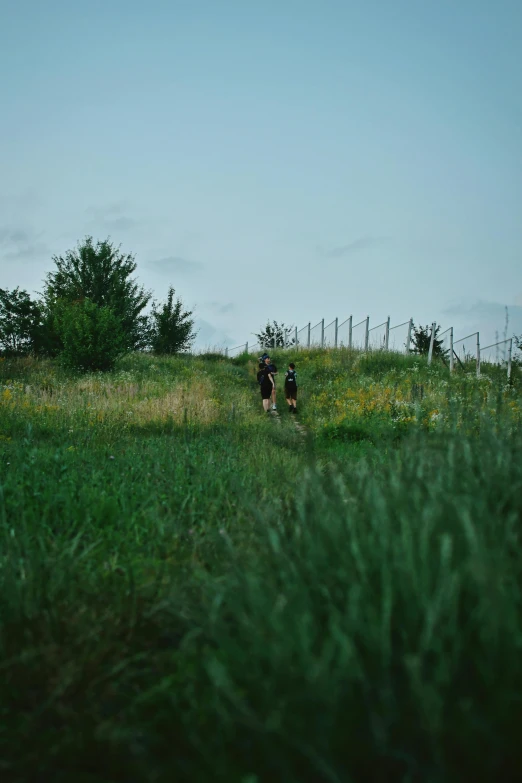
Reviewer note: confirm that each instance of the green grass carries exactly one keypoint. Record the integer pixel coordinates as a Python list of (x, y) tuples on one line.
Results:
[(192, 591)]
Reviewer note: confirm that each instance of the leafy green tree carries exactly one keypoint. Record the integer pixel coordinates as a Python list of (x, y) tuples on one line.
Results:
[(21, 322), (421, 338), (103, 274), (276, 335), (92, 336), (171, 327)]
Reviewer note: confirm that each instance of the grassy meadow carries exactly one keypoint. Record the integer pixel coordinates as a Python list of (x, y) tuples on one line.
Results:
[(194, 590)]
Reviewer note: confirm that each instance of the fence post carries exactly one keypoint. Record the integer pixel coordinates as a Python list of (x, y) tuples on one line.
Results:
[(452, 360), (350, 332), (309, 324), (295, 338), (322, 332), (336, 330), (246, 348), (432, 340), (510, 349), (226, 351), (367, 333), (387, 335), (478, 355), (408, 339)]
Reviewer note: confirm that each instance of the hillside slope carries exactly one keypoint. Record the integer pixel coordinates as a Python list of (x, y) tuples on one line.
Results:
[(192, 592)]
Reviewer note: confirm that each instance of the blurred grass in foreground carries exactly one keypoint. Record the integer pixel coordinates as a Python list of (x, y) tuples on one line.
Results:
[(211, 598)]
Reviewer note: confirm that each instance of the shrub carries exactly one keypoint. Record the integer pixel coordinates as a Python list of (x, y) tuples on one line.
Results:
[(276, 335), (101, 273), (421, 338), (172, 328), (92, 336), (20, 322)]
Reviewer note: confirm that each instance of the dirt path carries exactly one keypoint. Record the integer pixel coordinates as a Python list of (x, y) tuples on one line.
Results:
[(301, 429)]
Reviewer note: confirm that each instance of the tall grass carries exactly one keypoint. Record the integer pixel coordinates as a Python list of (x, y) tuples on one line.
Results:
[(212, 598)]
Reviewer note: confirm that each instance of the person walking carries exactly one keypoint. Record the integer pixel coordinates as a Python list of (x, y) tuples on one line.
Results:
[(266, 384), (291, 388), (273, 372)]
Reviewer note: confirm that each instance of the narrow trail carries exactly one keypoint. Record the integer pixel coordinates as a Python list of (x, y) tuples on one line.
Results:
[(301, 429)]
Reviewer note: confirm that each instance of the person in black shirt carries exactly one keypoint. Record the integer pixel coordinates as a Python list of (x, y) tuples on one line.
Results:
[(266, 384), (273, 372), (291, 388)]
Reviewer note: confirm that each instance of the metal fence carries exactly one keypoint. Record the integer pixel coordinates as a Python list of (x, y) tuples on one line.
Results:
[(385, 337), (341, 334), (500, 353)]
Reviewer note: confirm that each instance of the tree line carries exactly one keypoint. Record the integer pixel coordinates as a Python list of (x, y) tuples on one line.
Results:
[(92, 311)]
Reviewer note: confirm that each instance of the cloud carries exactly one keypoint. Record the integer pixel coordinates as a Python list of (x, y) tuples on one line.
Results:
[(209, 337), (21, 202), (18, 244), (221, 308), (116, 208), (122, 223), (111, 217), (14, 235), (480, 308), (354, 247), (174, 265), (487, 318), (27, 252)]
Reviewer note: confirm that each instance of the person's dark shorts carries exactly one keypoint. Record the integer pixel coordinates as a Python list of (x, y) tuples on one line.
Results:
[(290, 392), (266, 391)]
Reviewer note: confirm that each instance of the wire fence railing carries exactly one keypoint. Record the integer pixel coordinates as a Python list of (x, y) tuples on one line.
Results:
[(499, 353), (385, 337), (399, 339)]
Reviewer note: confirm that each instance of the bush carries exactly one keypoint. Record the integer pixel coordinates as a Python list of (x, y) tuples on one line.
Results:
[(421, 338), (172, 328), (101, 273), (212, 356), (276, 335), (92, 336), (20, 323)]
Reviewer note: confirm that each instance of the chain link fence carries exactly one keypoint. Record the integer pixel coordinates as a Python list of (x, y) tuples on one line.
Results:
[(499, 353), (360, 335), (385, 337), (378, 336), (400, 337), (467, 349)]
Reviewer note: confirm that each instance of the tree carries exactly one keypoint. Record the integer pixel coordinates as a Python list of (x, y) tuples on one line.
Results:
[(421, 338), (275, 335), (103, 274), (171, 328), (21, 321), (92, 336)]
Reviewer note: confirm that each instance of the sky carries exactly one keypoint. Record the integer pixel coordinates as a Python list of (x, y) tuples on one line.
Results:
[(286, 159)]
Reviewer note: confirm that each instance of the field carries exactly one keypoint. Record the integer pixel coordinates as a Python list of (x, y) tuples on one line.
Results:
[(193, 590)]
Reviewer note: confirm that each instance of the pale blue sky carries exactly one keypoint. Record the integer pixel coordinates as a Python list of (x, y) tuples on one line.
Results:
[(287, 160)]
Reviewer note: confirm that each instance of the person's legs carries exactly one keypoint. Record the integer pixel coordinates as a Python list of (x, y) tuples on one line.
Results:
[(266, 393), (288, 398), (294, 404), (273, 397)]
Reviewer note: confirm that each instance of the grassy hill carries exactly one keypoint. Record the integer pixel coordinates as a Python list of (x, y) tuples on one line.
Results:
[(194, 590)]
